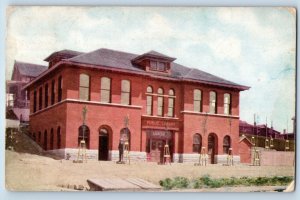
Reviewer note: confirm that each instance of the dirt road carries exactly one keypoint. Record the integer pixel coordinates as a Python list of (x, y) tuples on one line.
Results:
[(29, 172)]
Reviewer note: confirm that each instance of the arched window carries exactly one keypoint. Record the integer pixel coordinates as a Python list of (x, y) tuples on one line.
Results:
[(58, 138), (171, 101), (227, 104), (105, 96), (197, 143), (160, 102), (84, 87), (197, 100), (84, 134), (125, 136), (40, 98), (149, 100), (45, 140), (212, 102), (39, 137), (59, 89), (34, 101), (52, 92), (226, 144), (46, 95), (51, 139), (125, 92)]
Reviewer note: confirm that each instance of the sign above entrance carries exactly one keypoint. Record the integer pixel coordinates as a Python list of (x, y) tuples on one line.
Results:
[(152, 123), (159, 134)]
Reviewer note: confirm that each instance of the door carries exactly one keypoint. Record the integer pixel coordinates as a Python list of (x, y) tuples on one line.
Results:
[(156, 151), (211, 149), (103, 147)]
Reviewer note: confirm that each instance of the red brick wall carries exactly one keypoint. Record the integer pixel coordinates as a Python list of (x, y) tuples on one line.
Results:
[(69, 114), (277, 158), (218, 125)]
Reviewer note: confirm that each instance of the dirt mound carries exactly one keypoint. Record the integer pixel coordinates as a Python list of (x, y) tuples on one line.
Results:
[(22, 143)]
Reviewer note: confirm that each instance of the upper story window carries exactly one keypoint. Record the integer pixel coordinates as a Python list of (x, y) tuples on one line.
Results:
[(125, 92), (227, 105), (160, 102), (40, 98), (212, 102), (46, 95), (34, 101), (105, 96), (197, 100), (52, 92), (158, 66), (171, 101), (59, 89), (84, 87), (149, 101)]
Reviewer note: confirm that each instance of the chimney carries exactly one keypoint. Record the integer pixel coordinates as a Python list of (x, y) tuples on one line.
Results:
[(284, 131)]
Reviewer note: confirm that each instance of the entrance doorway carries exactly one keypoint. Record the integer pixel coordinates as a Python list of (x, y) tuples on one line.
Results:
[(156, 151), (212, 147), (156, 141), (103, 144)]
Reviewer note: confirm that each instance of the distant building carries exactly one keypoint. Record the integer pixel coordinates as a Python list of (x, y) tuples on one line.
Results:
[(258, 130), (17, 98)]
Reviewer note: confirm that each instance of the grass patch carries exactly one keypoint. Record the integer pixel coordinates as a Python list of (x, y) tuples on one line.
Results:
[(207, 182)]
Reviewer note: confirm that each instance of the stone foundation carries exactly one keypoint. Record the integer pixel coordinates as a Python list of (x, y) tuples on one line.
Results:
[(222, 159), (93, 154), (138, 156)]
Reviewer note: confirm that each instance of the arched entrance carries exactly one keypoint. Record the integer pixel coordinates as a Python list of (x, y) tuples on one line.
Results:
[(103, 146), (212, 149)]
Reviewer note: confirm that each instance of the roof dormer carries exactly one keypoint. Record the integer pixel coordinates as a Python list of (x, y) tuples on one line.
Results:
[(153, 61), (60, 55)]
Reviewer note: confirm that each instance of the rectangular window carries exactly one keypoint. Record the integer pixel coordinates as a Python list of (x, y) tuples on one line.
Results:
[(40, 98), (59, 89), (171, 107), (34, 101), (197, 100), (84, 87), (212, 102), (227, 106), (125, 92), (46, 95), (160, 105), (52, 92), (149, 105), (105, 90), (153, 65), (161, 66)]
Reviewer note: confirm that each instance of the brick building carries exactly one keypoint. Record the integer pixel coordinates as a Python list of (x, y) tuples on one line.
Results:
[(16, 98), (164, 101)]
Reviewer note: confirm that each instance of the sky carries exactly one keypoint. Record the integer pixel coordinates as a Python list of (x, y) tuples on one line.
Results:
[(255, 47)]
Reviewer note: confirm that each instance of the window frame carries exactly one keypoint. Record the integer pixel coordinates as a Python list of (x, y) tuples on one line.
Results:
[(102, 90), (150, 97), (197, 147), (172, 99), (197, 102), (59, 88), (125, 93), (213, 102), (83, 87), (227, 105), (46, 90), (160, 96)]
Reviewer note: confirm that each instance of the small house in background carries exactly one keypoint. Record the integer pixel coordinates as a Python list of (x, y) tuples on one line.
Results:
[(245, 149), (17, 99)]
